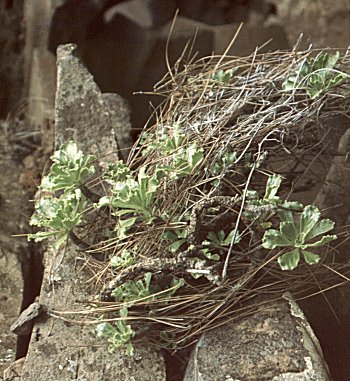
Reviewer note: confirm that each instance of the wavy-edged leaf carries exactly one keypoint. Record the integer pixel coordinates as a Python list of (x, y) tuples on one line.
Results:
[(308, 219), (290, 260), (289, 230), (310, 258), (321, 227), (272, 186), (323, 241), (273, 238)]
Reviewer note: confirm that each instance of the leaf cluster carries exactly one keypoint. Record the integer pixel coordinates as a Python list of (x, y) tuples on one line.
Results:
[(308, 232), (316, 75), (70, 167)]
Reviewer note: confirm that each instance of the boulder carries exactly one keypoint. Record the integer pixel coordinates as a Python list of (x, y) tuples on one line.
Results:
[(58, 349), (274, 344)]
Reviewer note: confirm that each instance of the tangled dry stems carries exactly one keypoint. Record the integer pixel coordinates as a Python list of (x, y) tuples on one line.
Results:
[(271, 131)]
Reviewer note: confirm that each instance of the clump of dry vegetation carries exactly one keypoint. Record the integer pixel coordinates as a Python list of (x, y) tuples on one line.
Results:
[(207, 220)]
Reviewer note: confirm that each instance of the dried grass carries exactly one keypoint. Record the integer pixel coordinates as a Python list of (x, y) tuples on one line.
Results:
[(276, 132)]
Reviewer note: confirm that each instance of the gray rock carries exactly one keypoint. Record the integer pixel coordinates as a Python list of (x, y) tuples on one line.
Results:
[(274, 344), (60, 349), (81, 112)]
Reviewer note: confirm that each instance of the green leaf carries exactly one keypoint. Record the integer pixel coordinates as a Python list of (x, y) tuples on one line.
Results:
[(273, 238), (175, 246), (289, 230), (124, 225), (169, 235), (308, 219), (316, 75), (69, 168), (124, 259), (323, 241), (290, 260), (213, 257), (272, 186), (234, 234), (321, 227), (310, 258), (105, 329)]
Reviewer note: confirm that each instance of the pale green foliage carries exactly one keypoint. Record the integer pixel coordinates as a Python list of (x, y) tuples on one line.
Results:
[(116, 172), (118, 334), (178, 238), (184, 160), (133, 196), (136, 197), (69, 169), (223, 76), (183, 157), (266, 207), (143, 289), (316, 75), (59, 215), (299, 236), (124, 259), (133, 290), (212, 250), (219, 240), (220, 166)]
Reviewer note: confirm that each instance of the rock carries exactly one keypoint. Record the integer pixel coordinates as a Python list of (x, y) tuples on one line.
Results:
[(15, 252), (23, 325), (60, 350), (324, 23), (329, 312), (11, 61), (82, 113), (119, 112), (14, 371), (274, 344)]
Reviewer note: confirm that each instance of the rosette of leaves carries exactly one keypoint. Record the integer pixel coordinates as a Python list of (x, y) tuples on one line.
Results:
[(70, 167), (299, 236), (58, 215), (133, 197), (217, 241), (263, 209), (125, 259), (171, 142), (184, 157), (118, 334), (316, 75), (117, 171), (133, 290), (224, 76)]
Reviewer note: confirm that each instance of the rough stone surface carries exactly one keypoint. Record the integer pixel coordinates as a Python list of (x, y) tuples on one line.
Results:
[(325, 23), (60, 350), (119, 112), (329, 312), (274, 344), (81, 114)]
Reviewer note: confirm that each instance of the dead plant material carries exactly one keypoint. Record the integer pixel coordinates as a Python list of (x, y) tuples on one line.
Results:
[(267, 130)]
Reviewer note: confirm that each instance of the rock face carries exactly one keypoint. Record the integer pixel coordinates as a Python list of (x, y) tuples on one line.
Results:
[(59, 350), (83, 114), (274, 344), (324, 23), (329, 313)]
